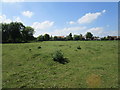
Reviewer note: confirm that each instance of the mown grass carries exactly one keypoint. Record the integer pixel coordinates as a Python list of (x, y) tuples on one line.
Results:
[(95, 65)]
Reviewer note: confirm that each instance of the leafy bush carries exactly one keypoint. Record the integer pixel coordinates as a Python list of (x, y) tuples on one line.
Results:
[(78, 47), (58, 56)]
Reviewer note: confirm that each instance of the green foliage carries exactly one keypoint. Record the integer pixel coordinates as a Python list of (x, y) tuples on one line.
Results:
[(55, 38), (69, 37), (16, 32), (104, 38), (51, 38), (59, 57), (59, 38), (76, 37), (46, 37), (40, 38), (89, 35), (27, 33), (12, 32), (81, 37)]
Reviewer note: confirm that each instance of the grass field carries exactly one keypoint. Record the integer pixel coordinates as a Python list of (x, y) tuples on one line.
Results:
[(95, 65)]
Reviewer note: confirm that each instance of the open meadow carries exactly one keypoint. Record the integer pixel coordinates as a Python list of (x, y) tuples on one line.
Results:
[(95, 65)]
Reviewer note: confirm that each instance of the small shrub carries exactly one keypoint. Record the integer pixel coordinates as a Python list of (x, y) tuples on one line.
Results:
[(58, 56), (78, 47), (29, 49), (39, 47)]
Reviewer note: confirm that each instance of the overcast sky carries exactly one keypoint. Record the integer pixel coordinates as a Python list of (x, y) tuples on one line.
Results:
[(62, 18)]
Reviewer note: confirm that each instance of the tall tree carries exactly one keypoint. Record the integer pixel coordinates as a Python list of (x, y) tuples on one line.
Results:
[(69, 37), (46, 37), (89, 35), (55, 38), (40, 38), (5, 32), (51, 38), (15, 29), (81, 37), (27, 33), (76, 37), (16, 32)]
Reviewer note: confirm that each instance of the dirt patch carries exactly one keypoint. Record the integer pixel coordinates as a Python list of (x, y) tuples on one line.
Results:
[(93, 81)]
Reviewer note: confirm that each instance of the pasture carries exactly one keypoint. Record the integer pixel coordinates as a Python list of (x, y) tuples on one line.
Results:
[(95, 65)]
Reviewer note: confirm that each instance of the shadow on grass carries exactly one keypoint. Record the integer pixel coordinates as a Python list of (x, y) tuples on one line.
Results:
[(62, 61)]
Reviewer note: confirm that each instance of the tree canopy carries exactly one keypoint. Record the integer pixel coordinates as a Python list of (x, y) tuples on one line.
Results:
[(46, 37), (69, 37), (89, 35), (16, 32)]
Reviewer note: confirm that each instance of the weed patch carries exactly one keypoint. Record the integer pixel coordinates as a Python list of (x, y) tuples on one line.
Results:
[(59, 57)]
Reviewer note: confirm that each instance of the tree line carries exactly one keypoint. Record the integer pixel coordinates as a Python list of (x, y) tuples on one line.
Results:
[(47, 37), (16, 32)]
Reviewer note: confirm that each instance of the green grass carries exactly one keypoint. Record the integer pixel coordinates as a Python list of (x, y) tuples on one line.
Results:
[(94, 65)]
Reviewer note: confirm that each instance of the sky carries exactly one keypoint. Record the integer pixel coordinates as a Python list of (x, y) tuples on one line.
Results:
[(62, 18)]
